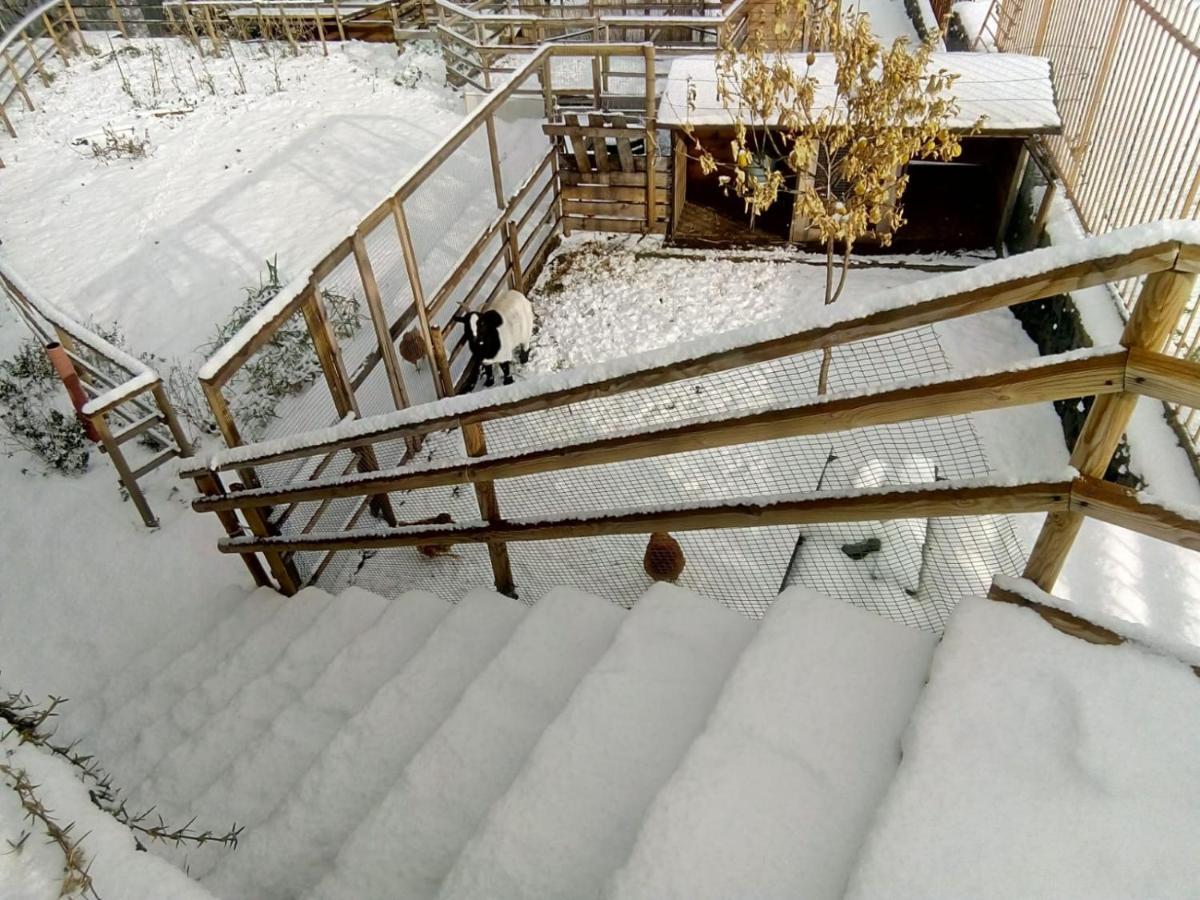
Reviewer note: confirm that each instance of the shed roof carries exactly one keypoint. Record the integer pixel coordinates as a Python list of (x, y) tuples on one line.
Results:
[(1012, 91)]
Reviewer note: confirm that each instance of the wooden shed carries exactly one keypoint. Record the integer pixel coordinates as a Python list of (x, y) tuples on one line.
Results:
[(959, 205)]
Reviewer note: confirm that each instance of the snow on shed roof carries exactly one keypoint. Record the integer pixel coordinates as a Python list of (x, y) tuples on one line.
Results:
[(1014, 92)]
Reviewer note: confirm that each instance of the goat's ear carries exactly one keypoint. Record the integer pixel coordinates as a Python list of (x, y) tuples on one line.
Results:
[(461, 319), (491, 319)]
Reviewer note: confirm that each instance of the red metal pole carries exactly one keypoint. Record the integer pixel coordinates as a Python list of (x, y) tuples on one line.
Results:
[(70, 379)]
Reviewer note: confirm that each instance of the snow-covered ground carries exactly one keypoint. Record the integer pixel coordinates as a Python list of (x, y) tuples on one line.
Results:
[(233, 176)]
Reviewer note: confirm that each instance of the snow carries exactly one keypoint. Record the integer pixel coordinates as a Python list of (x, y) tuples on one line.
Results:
[(232, 178), (1038, 765), (775, 796), (973, 14), (1011, 92), (470, 761), (571, 815), (293, 847), (116, 867), (889, 19)]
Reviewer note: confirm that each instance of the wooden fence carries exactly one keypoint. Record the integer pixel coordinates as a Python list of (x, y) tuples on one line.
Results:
[(1127, 84), (127, 401), (483, 44), (506, 230), (1116, 376)]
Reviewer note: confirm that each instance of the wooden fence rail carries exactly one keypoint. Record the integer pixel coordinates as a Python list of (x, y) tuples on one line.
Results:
[(1115, 376)]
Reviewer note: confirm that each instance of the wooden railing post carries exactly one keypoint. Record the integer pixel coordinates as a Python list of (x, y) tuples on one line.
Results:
[(209, 485), (284, 570), (413, 268), (334, 368), (512, 247), (383, 333), (485, 491), (489, 510), (1160, 304), (441, 361), (494, 154), (167, 409)]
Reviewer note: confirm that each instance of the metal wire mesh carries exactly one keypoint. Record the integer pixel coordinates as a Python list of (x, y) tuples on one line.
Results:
[(912, 571)]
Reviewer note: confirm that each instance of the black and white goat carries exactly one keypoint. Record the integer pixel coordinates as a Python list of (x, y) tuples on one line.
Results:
[(499, 334)]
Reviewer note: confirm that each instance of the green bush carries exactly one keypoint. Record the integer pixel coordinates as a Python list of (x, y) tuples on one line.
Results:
[(31, 411)]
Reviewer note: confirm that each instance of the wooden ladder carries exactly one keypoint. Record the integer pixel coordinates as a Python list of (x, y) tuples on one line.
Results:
[(997, 25)]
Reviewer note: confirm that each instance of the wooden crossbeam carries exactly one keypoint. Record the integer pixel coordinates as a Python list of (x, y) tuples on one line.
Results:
[(1052, 380), (946, 499)]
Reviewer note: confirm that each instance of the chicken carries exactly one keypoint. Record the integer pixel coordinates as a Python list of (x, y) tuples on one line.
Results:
[(664, 557), (412, 348)]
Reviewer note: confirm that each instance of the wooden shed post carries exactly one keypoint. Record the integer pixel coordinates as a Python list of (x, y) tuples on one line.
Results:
[(651, 141), (678, 178), (1162, 301)]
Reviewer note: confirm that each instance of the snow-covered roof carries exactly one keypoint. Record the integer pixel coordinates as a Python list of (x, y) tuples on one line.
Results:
[(1011, 91)]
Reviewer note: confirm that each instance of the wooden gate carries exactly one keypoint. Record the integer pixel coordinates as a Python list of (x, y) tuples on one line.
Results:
[(612, 177)]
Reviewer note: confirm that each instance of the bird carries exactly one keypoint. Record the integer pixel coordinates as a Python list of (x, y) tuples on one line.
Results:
[(664, 557), (412, 348)]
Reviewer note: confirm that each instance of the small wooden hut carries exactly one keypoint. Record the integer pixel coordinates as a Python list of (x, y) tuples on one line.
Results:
[(961, 205)]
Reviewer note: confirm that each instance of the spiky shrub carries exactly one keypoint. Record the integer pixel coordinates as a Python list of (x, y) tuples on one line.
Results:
[(288, 363), (32, 412), (27, 722), (842, 153)]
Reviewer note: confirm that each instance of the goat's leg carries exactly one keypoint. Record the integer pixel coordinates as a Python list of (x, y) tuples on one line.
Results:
[(505, 369), (523, 354), (472, 376), (489, 376)]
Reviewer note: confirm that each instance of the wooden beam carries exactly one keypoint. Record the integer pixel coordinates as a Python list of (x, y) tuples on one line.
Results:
[(1162, 301), (379, 319), (1111, 503), (257, 341), (1048, 380), (1163, 377), (413, 268), (126, 475), (919, 501), (836, 332), (1057, 618)]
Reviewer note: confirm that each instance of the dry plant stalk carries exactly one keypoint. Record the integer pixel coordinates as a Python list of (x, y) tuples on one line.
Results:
[(837, 131), (76, 880)]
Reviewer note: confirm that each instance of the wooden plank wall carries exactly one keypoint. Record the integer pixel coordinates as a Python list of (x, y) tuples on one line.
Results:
[(602, 170)]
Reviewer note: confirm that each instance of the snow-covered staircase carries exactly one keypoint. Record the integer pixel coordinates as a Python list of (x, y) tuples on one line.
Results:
[(415, 748)]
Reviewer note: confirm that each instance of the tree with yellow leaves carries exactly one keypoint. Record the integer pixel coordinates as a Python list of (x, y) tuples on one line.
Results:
[(836, 129)]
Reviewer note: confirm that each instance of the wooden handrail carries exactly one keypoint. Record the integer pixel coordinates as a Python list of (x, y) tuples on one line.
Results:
[(1163, 377), (937, 299), (1116, 505), (1053, 378), (918, 501)]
